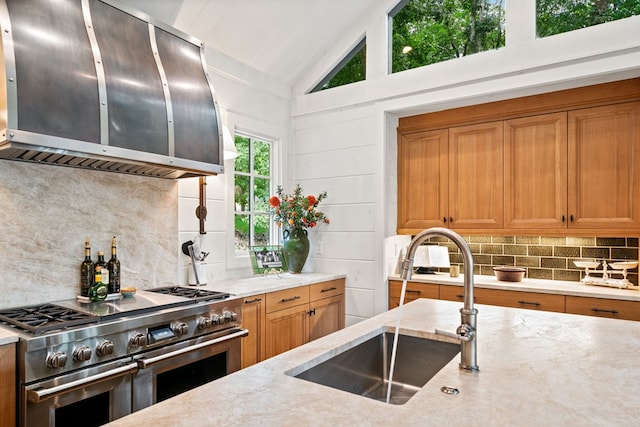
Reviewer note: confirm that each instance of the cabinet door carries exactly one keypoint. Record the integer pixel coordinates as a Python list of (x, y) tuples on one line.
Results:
[(8, 385), (327, 316), (476, 176), (413, 291), (422, 181), (535, 166), (604, 167), (253, 319), (286, 329)]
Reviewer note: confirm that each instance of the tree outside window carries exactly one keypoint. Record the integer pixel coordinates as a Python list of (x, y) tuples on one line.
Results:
[(430, 31), (252, 189), (560, 16)]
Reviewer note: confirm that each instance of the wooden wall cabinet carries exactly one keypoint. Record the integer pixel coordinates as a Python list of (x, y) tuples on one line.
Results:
[(535, 165), (451, 178), (601, 307), (576, 169), (298, 315), (8, 383), (253, 319), (604, 167), (565, 162), (423, 175)]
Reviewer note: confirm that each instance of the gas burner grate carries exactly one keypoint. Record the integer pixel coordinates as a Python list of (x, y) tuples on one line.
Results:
[(45, 317), (191, 293)]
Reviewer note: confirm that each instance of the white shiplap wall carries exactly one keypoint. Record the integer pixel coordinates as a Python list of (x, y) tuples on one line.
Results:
[(346, 135)]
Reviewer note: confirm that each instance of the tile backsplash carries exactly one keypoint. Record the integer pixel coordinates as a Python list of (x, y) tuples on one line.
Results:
[(544, 257)]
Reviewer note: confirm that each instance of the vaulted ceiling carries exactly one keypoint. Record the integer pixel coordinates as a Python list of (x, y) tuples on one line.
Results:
[(281, 38)]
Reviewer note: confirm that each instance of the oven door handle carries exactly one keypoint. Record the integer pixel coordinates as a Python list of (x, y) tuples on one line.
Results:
[(39, 395), (144, 363)]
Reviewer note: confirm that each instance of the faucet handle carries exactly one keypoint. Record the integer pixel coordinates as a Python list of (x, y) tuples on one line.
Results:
[(465, 332)]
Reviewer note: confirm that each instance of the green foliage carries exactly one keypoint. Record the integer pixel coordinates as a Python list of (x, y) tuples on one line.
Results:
[(560, 16), (439, 30), (354, 71), (253, 169)]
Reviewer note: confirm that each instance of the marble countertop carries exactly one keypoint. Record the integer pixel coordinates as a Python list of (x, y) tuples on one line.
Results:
[(530, 285), (248, 286), (536, 368), (7, 337)]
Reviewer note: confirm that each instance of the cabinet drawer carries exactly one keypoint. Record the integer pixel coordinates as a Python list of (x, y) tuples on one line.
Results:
[(414, 291), (286, 298), (602, 307), (516, 299), (326, 289)]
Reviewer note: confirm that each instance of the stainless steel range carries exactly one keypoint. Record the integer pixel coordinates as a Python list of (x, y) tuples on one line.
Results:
[(97, 362)]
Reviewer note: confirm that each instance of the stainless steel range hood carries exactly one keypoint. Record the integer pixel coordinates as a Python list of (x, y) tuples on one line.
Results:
[(86, 84)]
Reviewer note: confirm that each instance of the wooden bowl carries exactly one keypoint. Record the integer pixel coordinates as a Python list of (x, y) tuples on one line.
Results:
[(509, 274)]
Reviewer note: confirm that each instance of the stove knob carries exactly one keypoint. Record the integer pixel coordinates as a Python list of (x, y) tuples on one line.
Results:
[(230, 316), (204, 323), (216, 319), (82, 353), (105, 348), (137, 340), (57, 359), (180, 328)]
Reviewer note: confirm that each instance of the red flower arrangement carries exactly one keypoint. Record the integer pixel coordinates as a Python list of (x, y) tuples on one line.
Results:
[(295, 210)]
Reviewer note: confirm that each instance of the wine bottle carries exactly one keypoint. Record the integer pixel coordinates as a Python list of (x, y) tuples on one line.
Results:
[(113, 266), (86, 270), (98, 291), (103, 267)]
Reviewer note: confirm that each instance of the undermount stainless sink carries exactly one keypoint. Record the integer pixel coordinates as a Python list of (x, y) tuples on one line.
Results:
[(364, 369)]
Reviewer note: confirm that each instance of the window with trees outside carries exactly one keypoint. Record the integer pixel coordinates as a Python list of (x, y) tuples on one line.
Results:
[(352, 68), (560, 16), (425, 32), (253, 182)]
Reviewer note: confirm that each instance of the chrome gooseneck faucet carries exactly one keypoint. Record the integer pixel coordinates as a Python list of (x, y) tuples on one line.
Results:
[(466, 332)]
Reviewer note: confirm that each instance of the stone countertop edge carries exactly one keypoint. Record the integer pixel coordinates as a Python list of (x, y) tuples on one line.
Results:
[(530, 285), (7, 337), (536, 368), (244, 287)]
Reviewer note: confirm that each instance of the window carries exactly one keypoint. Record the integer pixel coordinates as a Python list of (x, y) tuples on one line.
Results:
[(353, 68), (560, 16), (252, 189), (428, 31)]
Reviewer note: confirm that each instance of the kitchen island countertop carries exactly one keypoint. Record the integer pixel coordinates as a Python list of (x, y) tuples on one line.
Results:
[(536, 368)]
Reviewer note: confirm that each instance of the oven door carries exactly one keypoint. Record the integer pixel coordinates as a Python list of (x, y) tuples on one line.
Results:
[(179, 367), (92, 397)]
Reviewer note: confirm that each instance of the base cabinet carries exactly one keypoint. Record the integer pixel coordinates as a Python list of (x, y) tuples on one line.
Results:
[(253, 319), (7, 385), (601, 307), (515, 299), (298, 315), (414, 291)]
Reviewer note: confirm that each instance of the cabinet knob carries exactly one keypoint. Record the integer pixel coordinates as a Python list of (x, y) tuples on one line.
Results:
[(444, 219), (450, 219), (571, 218), (563, 218)]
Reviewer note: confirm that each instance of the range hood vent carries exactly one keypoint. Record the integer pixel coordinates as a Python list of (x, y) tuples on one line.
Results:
[(92, 85)]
